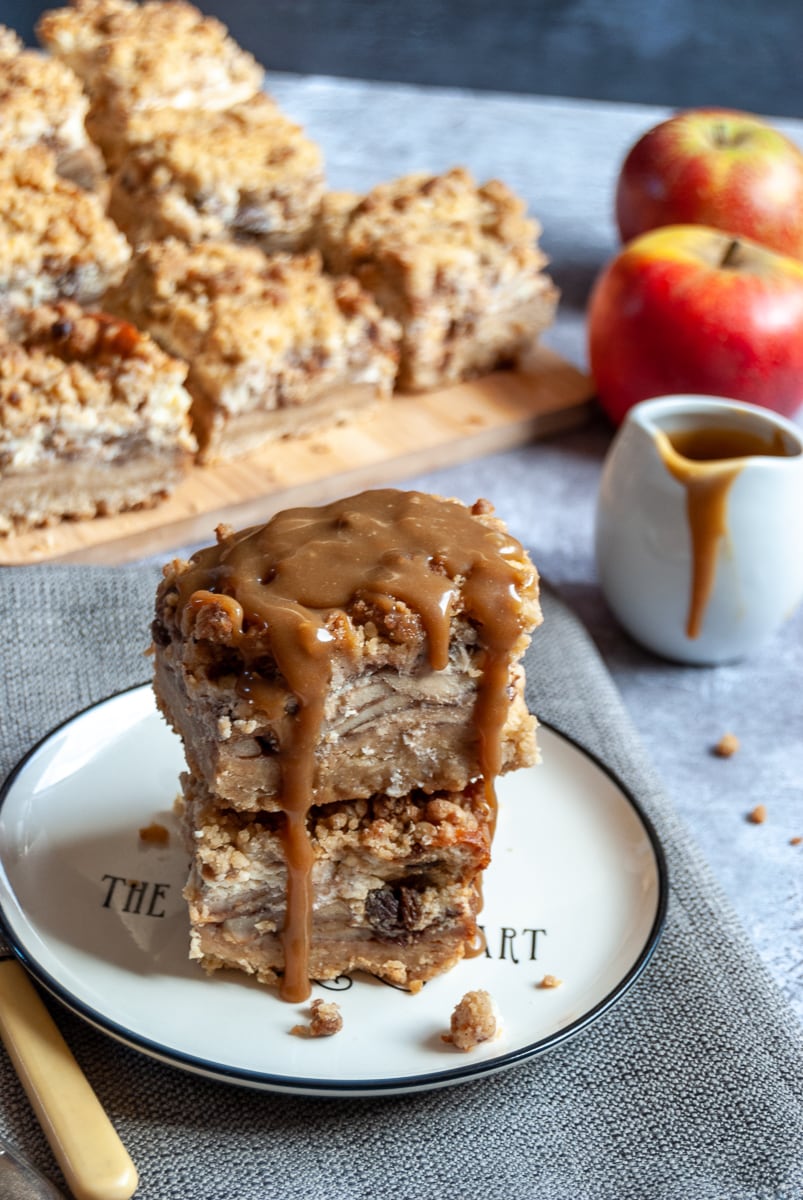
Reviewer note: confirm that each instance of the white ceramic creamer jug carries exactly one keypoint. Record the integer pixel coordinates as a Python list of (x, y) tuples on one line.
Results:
[(699, 538)]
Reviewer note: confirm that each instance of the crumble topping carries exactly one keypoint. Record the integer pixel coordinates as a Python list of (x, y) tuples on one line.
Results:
[(201, 149), (41, 99), (430, 226), (163, 52), (387, 829), (248, 172)]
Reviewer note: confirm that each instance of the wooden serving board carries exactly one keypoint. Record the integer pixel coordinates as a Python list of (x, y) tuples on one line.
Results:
[(404, 437)]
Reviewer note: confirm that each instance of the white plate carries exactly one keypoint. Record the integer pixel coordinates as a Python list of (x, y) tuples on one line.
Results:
[(577, 889)]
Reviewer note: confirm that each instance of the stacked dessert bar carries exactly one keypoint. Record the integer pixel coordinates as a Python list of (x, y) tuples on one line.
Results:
[(347, 684)]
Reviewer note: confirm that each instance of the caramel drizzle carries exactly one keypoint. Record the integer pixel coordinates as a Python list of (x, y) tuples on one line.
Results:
[(282, 585), (706, 462)]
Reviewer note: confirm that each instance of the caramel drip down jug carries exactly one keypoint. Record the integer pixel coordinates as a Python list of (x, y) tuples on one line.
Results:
[(699, 536)]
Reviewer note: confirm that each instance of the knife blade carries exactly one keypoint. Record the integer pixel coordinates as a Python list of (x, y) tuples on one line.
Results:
[(20, 1180), (86, 1145)]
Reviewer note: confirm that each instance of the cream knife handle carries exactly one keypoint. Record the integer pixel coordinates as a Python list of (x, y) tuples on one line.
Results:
[(95, 1162)]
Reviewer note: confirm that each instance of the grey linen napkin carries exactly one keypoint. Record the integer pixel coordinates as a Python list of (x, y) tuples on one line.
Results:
[(692, 1086)]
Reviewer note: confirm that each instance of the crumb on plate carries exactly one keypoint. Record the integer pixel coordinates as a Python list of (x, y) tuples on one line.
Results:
[(325, 1020), (795, 841), (473, 1021), (550, 981), (757, 815), (154, 834)]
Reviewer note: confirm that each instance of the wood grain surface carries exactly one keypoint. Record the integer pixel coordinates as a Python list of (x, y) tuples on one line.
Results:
[(406, 436)]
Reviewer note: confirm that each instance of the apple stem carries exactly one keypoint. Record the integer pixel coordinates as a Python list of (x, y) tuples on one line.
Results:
[(730, 254)]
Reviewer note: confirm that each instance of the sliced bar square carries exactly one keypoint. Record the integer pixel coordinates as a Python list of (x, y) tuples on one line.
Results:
[(137, 57), (395, 884), (93, 417), (56, 242), (275, 346), (42, 103), (247, 173), (457, 264)]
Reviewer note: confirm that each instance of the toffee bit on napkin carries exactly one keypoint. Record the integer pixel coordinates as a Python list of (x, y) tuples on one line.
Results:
[(757, 815), (727, 746), (325, 1020)]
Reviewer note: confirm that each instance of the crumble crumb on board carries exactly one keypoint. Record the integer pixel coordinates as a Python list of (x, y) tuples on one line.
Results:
[(757, 815), (473, 1021), (550, 981), (325, 1020), (154, 834), (727, 745)]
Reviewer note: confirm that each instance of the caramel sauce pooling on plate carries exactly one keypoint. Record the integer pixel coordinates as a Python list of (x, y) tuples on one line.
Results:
[(282, 583), (706, 461)]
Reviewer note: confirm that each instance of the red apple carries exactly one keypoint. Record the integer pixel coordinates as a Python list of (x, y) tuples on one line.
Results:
[(711, 166), (689, 309)]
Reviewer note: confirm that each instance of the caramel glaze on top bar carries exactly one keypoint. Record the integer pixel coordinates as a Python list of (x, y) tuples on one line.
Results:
[(285, 581)]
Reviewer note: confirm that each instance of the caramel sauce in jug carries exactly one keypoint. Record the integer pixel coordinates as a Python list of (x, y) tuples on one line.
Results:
[(284, 587), (706, 461)]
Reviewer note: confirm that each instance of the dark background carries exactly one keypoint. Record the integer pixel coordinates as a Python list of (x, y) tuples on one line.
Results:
[(741, 53)]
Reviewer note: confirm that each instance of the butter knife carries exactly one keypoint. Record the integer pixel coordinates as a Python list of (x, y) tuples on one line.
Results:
[(20, 1180), (86, 1145)]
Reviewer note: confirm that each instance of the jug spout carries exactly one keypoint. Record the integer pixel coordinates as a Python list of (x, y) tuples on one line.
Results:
[(699, 544)]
